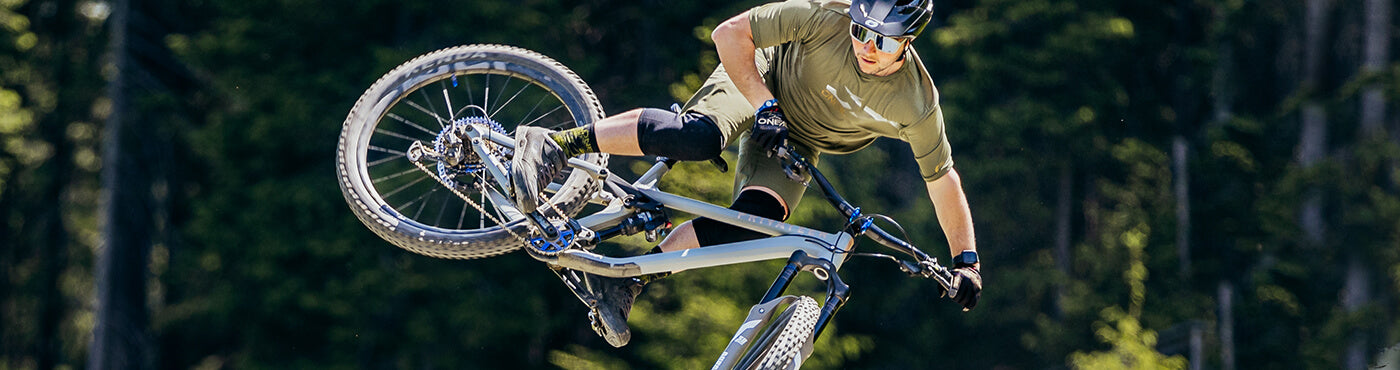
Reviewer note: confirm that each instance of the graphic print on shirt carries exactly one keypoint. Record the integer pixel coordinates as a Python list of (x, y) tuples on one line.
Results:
[(854, 105)]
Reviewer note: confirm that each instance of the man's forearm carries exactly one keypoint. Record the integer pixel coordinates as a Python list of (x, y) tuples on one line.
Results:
[(954, 215), (734, 44)]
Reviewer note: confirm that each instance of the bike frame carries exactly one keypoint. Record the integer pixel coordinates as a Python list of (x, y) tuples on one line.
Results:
[(807, 250), (786, 238)]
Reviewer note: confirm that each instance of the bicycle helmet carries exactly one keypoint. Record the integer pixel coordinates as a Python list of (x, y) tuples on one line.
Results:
[(892, 18)]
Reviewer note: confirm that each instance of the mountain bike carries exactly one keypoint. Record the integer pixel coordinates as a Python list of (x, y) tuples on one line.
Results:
[(424, 162)]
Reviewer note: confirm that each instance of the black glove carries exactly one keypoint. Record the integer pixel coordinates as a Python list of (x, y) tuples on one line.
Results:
[(969, 285), (770, 128)]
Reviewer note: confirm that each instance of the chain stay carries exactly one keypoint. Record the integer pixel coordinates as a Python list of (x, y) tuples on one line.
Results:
[(416, 151), (568, 236)]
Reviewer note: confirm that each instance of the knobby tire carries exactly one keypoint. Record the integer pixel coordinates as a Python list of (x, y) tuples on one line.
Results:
[(409, 220)]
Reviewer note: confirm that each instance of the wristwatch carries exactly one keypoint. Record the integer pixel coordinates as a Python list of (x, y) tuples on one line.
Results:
[(965, 259)]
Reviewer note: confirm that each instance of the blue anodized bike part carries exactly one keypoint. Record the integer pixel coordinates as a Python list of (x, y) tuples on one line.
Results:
[(549, 247), (859, 224)]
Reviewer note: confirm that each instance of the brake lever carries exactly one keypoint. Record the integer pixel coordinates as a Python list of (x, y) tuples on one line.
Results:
[(928, 269), (792, 167), (942, 276), (911, 268)]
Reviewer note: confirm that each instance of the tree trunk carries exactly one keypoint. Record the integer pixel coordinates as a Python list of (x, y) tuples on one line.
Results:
[(1312, 143), (1181, 187), (1222, 90), (1222, 105), (1356, 293), (1225, 294), (1198, 347), (1375, 55), (120, 336)]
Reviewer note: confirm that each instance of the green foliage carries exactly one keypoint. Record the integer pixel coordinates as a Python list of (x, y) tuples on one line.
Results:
[(1126, 234), (15, 119), (1132, 347), (48, 182), (261, 266)]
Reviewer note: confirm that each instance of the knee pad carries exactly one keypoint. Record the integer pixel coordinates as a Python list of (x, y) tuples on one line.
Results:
[(758, 203), (687, 137)]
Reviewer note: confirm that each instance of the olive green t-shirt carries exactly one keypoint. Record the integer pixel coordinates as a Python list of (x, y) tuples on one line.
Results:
[(830, 104)]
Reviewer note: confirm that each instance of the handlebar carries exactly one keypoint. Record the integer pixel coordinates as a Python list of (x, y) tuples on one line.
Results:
[(798, 169), (924, 266)]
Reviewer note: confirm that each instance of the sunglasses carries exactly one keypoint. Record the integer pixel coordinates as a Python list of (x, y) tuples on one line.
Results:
[(886, 44)]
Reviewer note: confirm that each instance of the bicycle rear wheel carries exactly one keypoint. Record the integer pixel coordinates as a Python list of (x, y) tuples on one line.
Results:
[(457, 208)]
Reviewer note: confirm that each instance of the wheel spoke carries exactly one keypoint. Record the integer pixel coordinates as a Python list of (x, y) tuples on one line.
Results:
[(386, 150), (405, 186), (512, 98), (503, 93), (426, 111), (546, 114), (410, 123), (446, 100), (431, 109), (385, 159), (533, 108), (487, 94), (387, 178), (442, 210), (463, 217), (467, 85), (394, 134), (481, 220), (422, 205)]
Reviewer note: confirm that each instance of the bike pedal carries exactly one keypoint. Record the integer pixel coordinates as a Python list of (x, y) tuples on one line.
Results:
[(593, 320), (596, 323)]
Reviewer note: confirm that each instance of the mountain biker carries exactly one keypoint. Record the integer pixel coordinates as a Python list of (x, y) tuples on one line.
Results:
[(832, 76)]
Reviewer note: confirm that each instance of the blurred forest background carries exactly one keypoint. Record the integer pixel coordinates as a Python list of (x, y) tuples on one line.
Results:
[(1204, 184)]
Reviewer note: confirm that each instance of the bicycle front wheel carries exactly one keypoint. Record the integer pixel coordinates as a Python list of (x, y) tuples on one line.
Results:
[(780, 345), (457, 208)]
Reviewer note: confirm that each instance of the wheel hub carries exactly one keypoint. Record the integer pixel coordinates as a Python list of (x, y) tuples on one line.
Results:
[(459, 159)]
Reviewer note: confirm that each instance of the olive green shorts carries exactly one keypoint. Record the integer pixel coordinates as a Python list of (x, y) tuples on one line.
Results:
[(722, 103), (757, 169)]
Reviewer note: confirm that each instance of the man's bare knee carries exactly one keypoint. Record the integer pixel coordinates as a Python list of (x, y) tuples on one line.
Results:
[(681, 238)]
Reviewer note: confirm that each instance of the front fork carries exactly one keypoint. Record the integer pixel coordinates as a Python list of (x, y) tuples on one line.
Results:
[(762, 313), (836, 290)]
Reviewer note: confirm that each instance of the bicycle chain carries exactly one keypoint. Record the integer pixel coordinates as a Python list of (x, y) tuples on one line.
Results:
[(473, 203)]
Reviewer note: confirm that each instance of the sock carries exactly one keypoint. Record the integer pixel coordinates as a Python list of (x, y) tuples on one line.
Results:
[(645, 279), (576, 141)]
